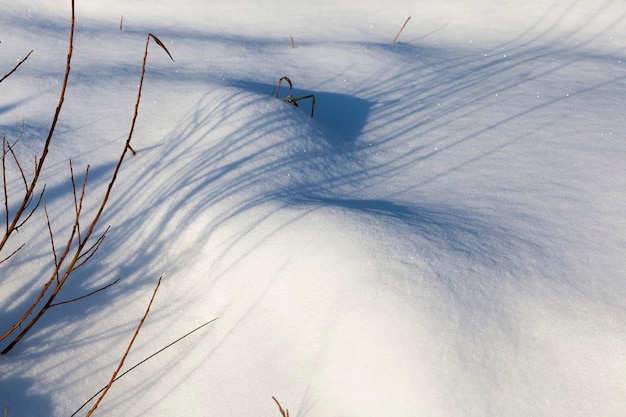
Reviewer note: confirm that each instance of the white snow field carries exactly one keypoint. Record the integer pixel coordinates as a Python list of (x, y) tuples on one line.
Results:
[(446, 236)]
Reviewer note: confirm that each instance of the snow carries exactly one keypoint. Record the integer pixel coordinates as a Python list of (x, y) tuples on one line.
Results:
[(444, 237)]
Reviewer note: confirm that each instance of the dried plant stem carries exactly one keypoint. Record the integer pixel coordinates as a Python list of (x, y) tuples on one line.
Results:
[(15, 67), (82, 253), (283, 412), (280, 82), (144, 360), (401, 29), (121, 363), (86, 295), (15, 223), (143, 71)]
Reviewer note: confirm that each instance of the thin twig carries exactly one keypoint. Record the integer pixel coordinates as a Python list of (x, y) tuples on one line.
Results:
[(401, 29), (39, 200), (44, 153), (54, 251), (283, 412), (119, 366), (89, 253), (16, 67), (145, 360), (4, 184), (86, 295), (143, 71), (78, 205), (80, 249), (19, 166), (12, 253)]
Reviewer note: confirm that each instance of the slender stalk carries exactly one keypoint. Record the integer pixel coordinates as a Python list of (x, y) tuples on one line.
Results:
[(119, 366), (15, 67), (145, 360), (401, 29), (80, 250), (44, 153)]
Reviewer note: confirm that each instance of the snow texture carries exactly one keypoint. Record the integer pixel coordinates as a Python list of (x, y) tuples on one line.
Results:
[(445, 237)]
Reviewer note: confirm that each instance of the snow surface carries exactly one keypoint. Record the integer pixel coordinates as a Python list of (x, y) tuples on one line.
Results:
[(445, 237)]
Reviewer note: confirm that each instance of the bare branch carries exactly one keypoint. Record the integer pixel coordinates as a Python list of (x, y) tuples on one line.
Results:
[(54, 251), (12, 253), (78, 203), (16, 67), (19, 166), (17, 226), (143, 72), (401, 29), (80, 250), (89, 253), (4, 184), (119, 366), (145, 360), (86, 295), (39, 162)]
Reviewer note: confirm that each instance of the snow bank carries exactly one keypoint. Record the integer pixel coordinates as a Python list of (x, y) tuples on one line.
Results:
[(444, 237)]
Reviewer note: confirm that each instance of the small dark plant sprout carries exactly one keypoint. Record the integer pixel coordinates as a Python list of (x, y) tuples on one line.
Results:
[(294, 100)]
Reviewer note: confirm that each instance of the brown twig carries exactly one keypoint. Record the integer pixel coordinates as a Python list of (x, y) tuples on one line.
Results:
[(12, 253), (78, 203), (145, 360), (15, 223), (86, 295), (401, 29), (4, 184), (143, 71), (54, 251), (81, 249), (121, 363), (15, 67), (283, 412)]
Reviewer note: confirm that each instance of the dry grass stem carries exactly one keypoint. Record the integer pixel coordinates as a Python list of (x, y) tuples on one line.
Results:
[(16, 223), (15, 67), (283, 412), (143, 71), (86, 295), (78, 250), (401, 29), (280, 82), (121, 363), (145, 360)]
